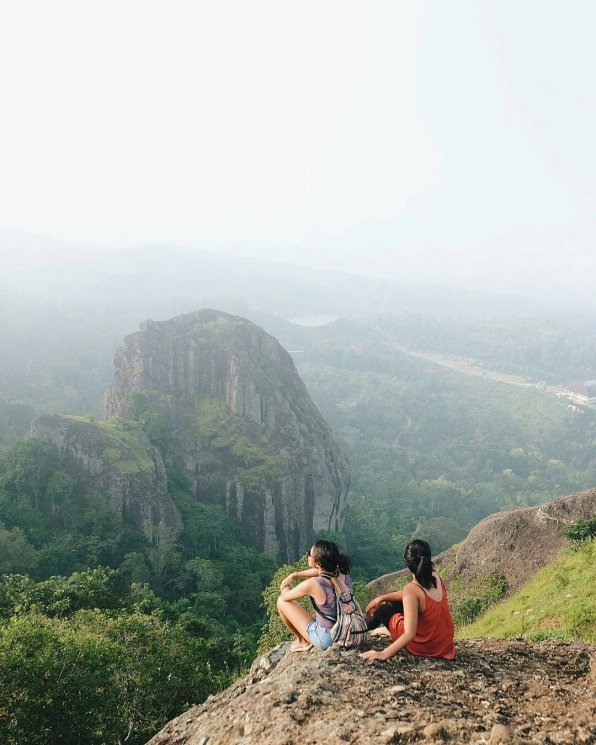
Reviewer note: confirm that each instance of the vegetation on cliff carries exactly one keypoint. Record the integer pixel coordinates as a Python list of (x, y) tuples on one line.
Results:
[(432, 452), (235, 425), (558, 602)]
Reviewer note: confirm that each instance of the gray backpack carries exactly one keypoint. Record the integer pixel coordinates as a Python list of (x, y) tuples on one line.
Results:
[(349, 628)]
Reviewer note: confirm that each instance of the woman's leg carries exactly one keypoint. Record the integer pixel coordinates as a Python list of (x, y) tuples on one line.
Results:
[(382, 614), (296, 618)]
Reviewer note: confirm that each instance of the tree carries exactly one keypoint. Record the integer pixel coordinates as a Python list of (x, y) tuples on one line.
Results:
[(17, 555)]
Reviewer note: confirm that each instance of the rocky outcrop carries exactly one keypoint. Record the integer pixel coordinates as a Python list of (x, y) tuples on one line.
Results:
[(235, 419), (495, 691), (513, 545), (118, 463)]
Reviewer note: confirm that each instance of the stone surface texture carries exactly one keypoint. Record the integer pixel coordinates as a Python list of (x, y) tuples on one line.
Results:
[(495, 691), (274, 466), (122, 465)]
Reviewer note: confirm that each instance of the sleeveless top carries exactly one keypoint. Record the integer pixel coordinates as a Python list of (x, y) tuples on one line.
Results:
[(329, 607), (434, 632)]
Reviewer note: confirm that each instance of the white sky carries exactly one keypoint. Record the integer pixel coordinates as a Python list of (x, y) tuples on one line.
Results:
[(446, 140)]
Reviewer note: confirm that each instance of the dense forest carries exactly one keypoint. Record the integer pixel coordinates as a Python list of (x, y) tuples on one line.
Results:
[(87, 604)]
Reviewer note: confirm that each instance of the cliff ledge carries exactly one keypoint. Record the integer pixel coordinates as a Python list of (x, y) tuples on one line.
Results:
[(495, 691)]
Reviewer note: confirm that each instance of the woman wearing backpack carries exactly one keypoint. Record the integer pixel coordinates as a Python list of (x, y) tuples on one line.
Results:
[(314, 631), (418, 617)]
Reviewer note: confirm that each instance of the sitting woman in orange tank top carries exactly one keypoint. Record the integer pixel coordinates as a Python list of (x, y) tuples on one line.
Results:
[(418, 617)]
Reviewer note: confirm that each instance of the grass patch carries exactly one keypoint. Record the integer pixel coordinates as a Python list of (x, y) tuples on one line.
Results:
[(125, 452), (128, 437), (470, 598), (558, 603)]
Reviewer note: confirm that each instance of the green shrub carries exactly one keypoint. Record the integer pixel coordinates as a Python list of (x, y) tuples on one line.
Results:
[(469, 600), (94, 679), (580, 531), (274, 631), (60, 596), (57, 684)]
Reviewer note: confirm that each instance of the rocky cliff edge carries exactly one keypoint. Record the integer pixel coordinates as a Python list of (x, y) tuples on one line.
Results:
[(495, 691)]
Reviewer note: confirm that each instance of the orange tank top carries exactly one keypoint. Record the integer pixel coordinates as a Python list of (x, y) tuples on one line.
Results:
[(434, 632)]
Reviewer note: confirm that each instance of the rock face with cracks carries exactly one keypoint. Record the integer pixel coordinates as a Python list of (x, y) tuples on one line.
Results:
[(494, 691), (120, 464), (224, 403)]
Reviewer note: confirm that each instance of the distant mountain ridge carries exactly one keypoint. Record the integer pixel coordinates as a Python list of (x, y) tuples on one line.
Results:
[(164, 280)]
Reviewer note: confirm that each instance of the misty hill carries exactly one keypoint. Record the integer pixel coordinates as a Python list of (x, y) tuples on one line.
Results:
[(63, 309), (222, 401), (160, 281)]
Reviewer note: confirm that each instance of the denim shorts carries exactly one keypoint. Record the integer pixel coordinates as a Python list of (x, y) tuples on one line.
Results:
[(319, 635)]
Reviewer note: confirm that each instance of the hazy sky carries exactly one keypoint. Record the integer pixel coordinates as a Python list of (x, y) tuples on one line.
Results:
[(439, 140)]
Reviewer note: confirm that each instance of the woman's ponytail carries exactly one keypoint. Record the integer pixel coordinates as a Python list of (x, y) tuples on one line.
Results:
[(419, 561), (344, 564), (327, 555)]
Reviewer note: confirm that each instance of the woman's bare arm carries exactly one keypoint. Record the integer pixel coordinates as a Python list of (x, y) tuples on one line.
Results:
[(390, 597), (308, 587), (305, 573), (410, 601)]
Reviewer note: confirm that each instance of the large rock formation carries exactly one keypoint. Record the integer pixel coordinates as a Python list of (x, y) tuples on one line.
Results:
[(495, 691), (513, 545), (118, 463), (225, 405)]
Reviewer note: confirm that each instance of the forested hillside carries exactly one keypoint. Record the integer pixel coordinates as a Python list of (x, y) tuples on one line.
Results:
[(433, 451)]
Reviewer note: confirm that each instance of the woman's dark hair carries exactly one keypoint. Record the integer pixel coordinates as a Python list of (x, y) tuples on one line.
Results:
[(418, 560), (327, 556)]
